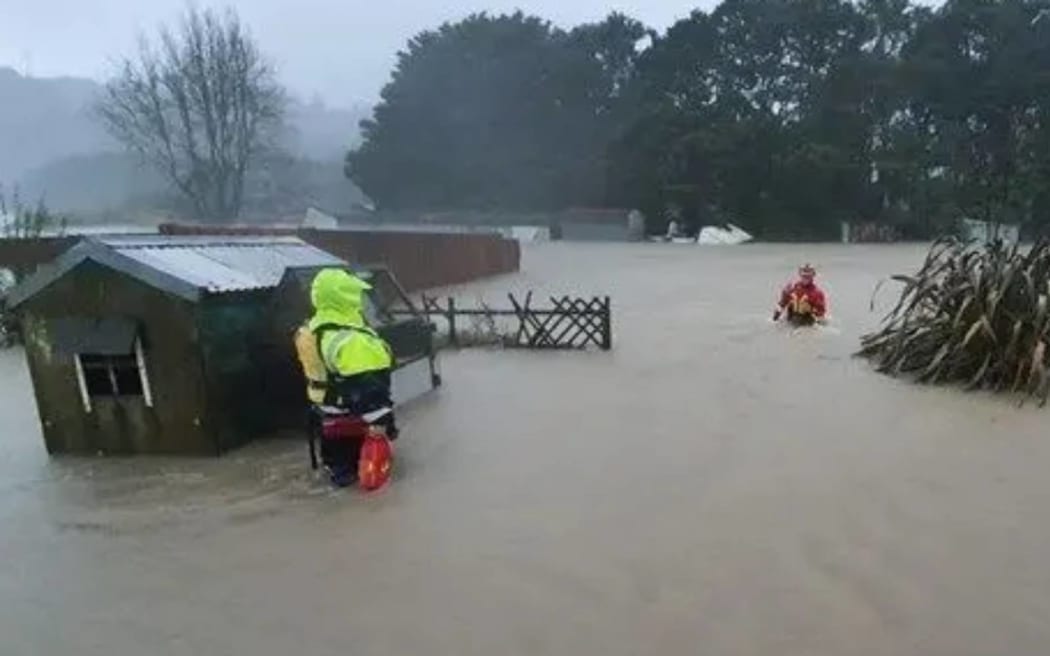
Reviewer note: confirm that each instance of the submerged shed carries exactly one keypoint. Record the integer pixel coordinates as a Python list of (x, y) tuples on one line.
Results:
[(147, 344)]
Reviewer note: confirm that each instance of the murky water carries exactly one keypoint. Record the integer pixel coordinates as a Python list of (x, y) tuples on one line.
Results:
[(715, 485)]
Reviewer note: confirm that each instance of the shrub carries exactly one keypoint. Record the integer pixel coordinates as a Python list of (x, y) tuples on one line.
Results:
[(973, 315)]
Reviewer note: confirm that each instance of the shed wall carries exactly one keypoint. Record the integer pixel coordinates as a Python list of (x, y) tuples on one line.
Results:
[(235, 378), (174, 425)]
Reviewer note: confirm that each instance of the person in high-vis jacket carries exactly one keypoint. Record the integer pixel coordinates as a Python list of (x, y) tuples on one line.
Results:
[(347, 365)]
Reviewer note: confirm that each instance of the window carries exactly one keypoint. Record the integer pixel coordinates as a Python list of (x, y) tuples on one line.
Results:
[(113, 376)]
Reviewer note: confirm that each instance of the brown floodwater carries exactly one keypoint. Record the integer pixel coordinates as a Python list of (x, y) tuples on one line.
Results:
[(715, 485)]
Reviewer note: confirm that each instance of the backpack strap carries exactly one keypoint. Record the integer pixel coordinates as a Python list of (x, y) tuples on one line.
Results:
[(319, 333)]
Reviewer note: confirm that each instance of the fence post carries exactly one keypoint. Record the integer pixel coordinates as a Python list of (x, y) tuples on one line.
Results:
[(426, 307), (452, 338), (607, 325)]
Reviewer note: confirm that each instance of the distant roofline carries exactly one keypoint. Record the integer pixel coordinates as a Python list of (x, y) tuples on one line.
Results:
[(183, 241)]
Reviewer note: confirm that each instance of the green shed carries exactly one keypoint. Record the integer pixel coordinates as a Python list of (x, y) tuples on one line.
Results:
[(156, 344)]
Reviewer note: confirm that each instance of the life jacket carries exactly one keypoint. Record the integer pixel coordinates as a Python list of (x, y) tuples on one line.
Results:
[(334, 356), (799, 304), (349, 350), (803, 302)]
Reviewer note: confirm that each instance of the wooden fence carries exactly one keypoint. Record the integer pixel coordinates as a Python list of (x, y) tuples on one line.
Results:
[(567, 323)]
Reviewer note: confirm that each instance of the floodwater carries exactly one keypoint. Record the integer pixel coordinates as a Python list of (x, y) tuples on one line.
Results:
[(715, 485)]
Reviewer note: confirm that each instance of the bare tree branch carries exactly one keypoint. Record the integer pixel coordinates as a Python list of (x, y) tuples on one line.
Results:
[(199, 106)]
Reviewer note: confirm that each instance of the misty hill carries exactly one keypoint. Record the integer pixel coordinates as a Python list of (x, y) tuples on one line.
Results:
[(42, 120), (115, 186), (52, 147), (93, 183)]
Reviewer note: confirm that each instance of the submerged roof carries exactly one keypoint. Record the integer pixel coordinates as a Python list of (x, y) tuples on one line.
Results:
[(188, 267)]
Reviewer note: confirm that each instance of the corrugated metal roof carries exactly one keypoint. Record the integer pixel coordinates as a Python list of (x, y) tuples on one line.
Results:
[(223, 264), (186, 266)]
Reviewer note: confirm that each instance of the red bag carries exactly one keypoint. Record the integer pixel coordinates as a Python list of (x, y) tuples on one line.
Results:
[(376, 462)]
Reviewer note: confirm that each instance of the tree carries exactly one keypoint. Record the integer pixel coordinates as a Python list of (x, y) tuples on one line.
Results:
[(673, 94), (790, 117), (783, 117), (497, 112), (21, 221), (200, 105), (976, 75), (755, 117), (615, 44)]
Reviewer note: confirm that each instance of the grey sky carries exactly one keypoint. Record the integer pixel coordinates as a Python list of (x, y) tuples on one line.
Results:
[(342, 50)]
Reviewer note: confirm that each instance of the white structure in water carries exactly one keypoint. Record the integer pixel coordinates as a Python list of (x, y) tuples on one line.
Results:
[(730, 235)]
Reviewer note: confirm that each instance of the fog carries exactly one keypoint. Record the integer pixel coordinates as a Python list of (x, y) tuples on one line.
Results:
[(340, 51)]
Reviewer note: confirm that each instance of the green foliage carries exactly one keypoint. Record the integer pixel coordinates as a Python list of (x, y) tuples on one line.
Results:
[(497, 112), (776, 105), (785, 117), (976, 316)]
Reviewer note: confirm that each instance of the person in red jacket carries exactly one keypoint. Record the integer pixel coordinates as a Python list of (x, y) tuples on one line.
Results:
[(802, 302)]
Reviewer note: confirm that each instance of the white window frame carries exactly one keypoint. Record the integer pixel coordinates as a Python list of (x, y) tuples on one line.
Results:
[(140, 361), (140, 364), (85, 397)]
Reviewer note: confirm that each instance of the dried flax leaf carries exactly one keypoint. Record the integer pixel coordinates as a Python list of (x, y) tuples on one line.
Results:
[(977, 379), (979, 317)]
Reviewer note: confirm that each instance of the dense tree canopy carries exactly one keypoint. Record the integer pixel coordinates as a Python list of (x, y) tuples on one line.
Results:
[(498, 112), (503, 111), (785, 117)]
